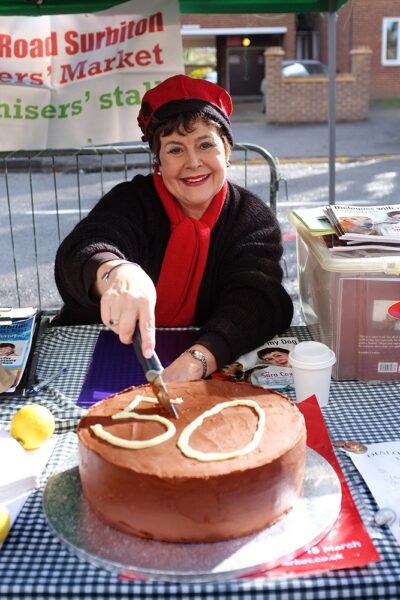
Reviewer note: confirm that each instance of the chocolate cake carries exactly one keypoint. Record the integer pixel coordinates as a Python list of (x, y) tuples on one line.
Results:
[(232, 464)]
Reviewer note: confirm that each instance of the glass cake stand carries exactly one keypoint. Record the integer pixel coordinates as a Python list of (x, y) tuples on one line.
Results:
[(75, 524)]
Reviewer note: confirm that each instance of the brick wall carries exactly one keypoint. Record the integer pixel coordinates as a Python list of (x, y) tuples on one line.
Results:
[(305, 99), (359, 23)]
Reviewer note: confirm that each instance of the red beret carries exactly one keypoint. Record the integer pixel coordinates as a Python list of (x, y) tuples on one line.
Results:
[(182, 94)]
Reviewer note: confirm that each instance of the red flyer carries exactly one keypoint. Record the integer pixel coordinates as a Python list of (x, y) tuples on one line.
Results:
[(347, 544)]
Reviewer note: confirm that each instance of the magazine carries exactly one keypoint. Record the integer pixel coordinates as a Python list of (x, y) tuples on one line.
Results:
[(359, 249), (366, 223), (266, 366), (379, 467), (17, 327)]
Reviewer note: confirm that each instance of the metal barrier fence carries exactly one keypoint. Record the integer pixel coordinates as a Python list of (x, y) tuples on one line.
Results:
[(43, 194)]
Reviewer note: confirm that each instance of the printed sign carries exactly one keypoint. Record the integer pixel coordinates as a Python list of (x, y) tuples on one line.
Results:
[(76, 80)]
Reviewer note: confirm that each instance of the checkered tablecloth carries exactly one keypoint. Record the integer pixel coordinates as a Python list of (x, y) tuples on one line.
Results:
[(34, 563)]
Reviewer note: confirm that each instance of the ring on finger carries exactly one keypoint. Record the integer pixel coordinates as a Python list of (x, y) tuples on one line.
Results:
[(113, 322)]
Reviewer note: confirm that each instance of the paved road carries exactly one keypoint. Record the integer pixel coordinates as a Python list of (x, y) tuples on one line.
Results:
[(377, 136)]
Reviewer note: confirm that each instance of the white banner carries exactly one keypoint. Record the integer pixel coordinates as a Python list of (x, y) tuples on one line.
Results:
[(76, 80)]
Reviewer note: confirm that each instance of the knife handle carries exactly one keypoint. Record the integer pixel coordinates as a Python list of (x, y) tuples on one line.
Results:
[(148, 364)]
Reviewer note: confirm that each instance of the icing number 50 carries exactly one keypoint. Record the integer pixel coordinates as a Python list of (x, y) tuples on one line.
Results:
[(183, 442)]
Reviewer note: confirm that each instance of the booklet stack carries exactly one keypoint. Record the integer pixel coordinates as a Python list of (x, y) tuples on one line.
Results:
[(344, 228), (17, 327)]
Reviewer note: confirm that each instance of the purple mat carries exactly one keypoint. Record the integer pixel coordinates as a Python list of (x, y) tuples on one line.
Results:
[(114, 365)]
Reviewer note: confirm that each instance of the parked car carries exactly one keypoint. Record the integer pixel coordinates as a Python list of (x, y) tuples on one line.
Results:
[(295, 68), (303, 68), (211, 76)]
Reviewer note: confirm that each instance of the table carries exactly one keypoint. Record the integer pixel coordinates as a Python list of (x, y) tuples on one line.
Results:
[(35, 564)]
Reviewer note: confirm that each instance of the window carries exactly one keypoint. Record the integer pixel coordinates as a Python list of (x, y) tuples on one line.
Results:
[(391, 41), (199, 61)]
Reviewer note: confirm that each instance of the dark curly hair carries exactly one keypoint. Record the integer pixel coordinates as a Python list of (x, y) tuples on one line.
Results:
[(184, 123)]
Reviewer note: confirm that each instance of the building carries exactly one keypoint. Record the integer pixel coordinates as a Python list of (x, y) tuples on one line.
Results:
[(231, 47), (376, 25)]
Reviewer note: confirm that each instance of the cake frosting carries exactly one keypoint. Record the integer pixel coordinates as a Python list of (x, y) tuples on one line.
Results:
[(231, 465)]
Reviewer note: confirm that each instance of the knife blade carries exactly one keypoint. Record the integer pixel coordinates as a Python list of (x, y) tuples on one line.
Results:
[(153, 369)]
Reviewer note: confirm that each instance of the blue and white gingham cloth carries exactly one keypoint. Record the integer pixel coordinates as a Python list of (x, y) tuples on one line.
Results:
[(34, 563)]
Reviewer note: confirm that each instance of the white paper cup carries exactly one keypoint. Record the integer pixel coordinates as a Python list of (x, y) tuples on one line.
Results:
[(311, 364)]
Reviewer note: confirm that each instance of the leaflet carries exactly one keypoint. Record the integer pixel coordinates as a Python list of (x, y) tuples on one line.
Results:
[(314, 219), (16, 333), (266, 366), (380, 469)]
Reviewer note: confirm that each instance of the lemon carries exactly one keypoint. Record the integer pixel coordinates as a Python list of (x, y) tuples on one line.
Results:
[(32, 425), (4, 523)]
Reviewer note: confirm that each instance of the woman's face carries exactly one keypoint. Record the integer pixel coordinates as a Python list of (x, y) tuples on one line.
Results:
[(193, 166), (6, 350), (357, 224), (280, 359)]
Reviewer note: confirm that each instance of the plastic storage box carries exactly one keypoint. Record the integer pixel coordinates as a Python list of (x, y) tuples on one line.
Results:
[(351, 304)]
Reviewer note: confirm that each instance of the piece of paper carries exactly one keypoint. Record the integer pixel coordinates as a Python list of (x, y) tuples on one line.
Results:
[(380, 469), (20, 471), (17, 473)]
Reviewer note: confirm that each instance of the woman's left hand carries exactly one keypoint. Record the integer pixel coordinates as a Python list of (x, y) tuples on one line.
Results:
[(188, 368)]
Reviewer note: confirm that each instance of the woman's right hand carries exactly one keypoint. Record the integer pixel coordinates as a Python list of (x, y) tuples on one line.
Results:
[(127, 298)]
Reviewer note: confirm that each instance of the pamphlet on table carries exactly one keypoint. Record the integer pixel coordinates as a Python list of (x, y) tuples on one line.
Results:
[(20, 473), (314, 220), (266, 366), (17, 326), (380, 469)]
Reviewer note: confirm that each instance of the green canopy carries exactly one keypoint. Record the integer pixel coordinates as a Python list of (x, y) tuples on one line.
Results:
[(51, 7)]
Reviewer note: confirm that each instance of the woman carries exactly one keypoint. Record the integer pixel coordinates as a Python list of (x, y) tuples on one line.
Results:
[(394, 215), (275, 356), (182, 246), (7, 348), (358, 224)]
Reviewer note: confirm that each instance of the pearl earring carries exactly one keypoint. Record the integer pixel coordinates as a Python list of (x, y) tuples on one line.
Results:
[(159, 172)]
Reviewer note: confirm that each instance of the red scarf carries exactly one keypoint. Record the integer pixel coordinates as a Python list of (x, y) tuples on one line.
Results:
[(185, 258)]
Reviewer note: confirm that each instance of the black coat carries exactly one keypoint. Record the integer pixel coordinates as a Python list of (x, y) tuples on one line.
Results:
[(241, 302)]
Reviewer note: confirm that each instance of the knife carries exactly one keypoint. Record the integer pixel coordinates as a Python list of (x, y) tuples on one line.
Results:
[(153, 369)]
